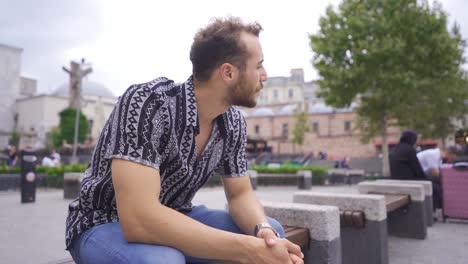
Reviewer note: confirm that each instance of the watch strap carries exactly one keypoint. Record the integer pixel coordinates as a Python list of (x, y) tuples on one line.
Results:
[(260, 226)]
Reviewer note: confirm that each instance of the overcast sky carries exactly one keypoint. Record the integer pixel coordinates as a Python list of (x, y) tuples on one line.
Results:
[(136, 41)]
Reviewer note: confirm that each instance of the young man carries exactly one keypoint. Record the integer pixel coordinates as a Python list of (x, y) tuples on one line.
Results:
[(430, 160), (404, 164), (160, 145)]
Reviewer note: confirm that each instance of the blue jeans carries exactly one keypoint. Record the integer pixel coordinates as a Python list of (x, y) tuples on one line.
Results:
[(106, 244)]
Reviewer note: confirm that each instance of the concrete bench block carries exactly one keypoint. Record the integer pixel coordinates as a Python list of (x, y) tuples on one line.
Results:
[(428, 192), (71, 184), (368, 245), (305, 182), (323, 223), (304, 178), (348, 176), (414, 190), (373, 206), (410, 221)]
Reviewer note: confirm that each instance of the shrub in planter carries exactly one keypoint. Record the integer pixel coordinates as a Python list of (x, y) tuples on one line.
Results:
[(318, 178), (4, 169)]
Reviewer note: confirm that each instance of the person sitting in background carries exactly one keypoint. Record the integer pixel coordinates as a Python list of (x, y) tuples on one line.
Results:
[(52, 161), (343, 164), (404, 164), (12, 157), (430, 161), (55, 156)]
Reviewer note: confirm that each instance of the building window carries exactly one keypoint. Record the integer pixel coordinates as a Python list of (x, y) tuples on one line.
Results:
[(347, 126), (291, 93), (257, 129), (315, 127), (275, 94), (284, 131)]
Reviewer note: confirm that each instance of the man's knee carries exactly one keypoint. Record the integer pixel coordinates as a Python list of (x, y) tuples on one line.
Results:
[(277, 226)]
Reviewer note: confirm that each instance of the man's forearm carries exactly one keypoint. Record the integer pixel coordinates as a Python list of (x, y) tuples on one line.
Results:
[(247, 211)]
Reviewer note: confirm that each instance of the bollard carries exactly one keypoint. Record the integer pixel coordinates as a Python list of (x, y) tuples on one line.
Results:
[(28, 176), (305, 182)]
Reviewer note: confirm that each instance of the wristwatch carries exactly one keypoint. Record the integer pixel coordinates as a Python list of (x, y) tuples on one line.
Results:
[(264, 225)]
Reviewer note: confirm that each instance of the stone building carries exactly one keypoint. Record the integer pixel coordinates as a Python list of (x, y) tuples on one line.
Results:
[(33, 115), (12, 86), (331, 130), (37, 115)]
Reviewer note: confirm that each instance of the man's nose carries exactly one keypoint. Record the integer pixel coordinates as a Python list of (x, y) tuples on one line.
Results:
[(263, 75)]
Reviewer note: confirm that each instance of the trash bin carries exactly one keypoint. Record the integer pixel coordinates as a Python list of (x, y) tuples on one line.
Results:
[(28, 176)]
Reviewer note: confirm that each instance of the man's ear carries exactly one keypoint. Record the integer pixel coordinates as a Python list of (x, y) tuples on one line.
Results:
[(228, 72)]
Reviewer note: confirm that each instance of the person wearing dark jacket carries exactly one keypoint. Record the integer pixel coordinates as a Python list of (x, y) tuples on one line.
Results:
[(404, 164)]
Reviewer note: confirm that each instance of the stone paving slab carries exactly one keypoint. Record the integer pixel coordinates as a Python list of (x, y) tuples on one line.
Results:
[(34, 233)]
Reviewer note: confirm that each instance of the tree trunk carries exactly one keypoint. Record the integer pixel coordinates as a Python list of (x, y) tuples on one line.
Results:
[(444, 142), (385, 152)]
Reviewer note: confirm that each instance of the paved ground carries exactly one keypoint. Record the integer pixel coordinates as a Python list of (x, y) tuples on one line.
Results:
[(34, 233)]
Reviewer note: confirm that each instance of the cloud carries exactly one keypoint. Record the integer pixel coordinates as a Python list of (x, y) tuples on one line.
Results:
[(138, 40), (46, 30)]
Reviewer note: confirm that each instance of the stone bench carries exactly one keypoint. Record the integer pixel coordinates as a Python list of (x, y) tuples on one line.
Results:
[(365, 240), (346, 176), (304, 178), (322, 223), (406, 209), (427, 191), (71, 184)]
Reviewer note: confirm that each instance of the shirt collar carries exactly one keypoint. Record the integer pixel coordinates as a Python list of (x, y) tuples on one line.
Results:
[(223, 120)]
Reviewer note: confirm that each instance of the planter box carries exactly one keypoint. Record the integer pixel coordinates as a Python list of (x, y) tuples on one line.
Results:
[(9, 181), (71, 184)]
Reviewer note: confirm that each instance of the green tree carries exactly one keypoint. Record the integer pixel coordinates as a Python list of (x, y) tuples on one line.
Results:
[(15, 138), (54, 138), (67, 126), (444, 105), (301, 127), (391, 57)]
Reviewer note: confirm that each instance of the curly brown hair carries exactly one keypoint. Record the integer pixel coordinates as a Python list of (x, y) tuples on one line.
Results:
[(219, 43)]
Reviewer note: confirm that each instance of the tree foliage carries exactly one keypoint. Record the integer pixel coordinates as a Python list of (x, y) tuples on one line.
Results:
[(15, 138), (397, 60), (300, 128), (67, 127)]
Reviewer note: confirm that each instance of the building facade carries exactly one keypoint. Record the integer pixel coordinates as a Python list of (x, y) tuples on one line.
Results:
[(10, 80), (334, 133), (34, 115), (37, 115), (332, 130)]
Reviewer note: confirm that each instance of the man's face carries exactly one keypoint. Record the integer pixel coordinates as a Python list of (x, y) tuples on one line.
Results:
[(450, 157), (250, 81)]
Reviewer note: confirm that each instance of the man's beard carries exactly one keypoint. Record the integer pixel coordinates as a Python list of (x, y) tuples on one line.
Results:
[(241, 95)]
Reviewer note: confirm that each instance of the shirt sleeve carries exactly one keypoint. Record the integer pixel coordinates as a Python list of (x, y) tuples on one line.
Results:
[(434, 160), (136, 131), (234, 162)]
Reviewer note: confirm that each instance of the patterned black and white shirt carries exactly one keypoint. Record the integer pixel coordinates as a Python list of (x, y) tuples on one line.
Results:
[(155, 124)]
